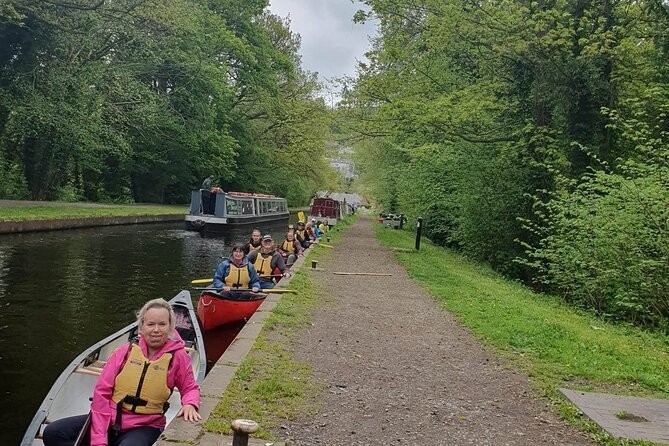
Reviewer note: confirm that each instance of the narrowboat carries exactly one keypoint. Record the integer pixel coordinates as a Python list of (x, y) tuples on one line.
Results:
[(214, 210), (325, 209)]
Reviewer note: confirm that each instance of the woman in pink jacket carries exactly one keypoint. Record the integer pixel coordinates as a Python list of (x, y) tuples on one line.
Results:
[(130, 394)]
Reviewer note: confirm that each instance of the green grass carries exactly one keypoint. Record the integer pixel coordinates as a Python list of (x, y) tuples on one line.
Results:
[(22, 213), (555, 344), (270, 385)]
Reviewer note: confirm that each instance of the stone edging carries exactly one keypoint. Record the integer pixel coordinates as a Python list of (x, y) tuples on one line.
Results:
[(223, 372), (11, 227)]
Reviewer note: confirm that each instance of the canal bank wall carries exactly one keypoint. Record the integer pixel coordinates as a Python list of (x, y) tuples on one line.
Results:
[(13, 227)]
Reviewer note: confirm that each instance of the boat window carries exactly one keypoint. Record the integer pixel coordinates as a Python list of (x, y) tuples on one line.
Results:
[(232, 206), (247, 207)]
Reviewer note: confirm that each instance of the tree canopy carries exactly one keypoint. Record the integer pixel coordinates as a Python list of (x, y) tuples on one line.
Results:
[(139, 100), (529, 134)]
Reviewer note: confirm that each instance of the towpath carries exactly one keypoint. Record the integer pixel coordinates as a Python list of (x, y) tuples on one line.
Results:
[(400, 370)]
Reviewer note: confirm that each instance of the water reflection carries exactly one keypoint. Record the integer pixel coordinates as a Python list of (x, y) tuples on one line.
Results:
[(62, 291)]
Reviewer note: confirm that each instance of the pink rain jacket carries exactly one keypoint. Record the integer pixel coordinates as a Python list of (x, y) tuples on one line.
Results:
[(103, 409)]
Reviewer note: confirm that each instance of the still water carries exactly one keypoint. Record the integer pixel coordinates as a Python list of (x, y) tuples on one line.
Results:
[(61, 291)]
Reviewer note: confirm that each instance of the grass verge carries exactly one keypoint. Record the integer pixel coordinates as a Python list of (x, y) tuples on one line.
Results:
[(270, 385), (555, 344), (80, 210)]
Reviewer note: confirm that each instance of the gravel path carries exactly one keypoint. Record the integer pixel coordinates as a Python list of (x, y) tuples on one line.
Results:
[(401, 371)]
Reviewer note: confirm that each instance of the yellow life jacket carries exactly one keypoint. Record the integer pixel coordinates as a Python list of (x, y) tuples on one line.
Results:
[(261, 263), (238, 277), (289, 247), (254, 248), (301, 234), (142, 384)]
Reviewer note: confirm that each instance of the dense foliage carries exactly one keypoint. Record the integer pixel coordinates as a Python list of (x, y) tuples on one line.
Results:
[(529, 134), (139, 100)]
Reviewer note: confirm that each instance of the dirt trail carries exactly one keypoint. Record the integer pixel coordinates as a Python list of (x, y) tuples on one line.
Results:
[(402, 371)]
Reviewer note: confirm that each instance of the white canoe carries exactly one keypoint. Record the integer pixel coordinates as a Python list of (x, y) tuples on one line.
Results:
[(70, 394)]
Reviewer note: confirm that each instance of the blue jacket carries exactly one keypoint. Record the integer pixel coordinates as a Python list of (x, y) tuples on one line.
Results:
[(224, 268)]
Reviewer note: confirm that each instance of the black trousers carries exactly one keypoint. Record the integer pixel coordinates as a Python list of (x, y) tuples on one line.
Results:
[(64, 432)]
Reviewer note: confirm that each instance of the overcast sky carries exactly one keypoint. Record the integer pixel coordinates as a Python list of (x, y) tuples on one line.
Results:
[(331, 42)]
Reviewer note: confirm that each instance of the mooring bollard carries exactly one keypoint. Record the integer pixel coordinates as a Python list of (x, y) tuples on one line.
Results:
[(242, 429), (314, 264)]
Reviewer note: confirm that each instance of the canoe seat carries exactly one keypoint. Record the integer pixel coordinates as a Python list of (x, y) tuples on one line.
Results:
[(94, 368)]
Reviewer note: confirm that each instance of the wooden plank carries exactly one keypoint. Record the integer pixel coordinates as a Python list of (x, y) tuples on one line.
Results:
[(341, 273)]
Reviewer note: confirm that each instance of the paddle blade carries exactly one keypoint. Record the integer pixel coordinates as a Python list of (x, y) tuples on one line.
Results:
[(196, 281), (300, 216), (278, 291)]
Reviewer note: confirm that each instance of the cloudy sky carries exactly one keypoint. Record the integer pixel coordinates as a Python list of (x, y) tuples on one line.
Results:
[(331, 42)]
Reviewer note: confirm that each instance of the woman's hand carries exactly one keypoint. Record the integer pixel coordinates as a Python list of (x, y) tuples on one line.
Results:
[(189, 412), (255, 289), (226, 288)]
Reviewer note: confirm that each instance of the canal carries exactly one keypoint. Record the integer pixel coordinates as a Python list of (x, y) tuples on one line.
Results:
[(61, 291)]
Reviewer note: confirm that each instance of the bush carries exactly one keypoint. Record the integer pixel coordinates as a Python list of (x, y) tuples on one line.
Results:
[(13, 185), (606, 243)]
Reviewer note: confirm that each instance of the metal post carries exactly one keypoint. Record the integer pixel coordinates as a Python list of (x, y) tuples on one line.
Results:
[(419, 227), (242, 429), (314, 264)]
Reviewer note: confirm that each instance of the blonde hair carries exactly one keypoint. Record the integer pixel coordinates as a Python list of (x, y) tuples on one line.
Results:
[(157, 303)]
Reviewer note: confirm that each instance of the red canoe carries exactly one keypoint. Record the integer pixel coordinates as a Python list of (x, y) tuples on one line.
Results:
[(214, 309)]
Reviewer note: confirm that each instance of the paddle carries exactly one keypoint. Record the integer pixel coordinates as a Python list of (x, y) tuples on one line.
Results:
[(196, 281), (199, 281), (323, 244), (84, 436), (264, 290)]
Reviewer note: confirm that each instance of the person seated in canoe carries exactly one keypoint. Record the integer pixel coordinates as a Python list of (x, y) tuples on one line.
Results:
[(323, 226), (290, 249), (254, 243), (235, 276), (312, 229), (268, 263), (302, 236), (130, 398)]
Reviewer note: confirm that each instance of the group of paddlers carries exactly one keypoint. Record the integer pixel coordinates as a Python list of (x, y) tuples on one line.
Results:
[(259, 264)]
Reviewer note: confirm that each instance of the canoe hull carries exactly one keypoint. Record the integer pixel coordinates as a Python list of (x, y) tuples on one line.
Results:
[(215, 310), (70, 394)]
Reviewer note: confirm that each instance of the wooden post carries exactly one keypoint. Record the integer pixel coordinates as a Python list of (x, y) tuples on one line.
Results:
[(419, 227)]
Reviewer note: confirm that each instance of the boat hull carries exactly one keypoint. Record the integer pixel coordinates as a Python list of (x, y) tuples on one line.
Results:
[(215, 310), (70, 394), (210, 223)]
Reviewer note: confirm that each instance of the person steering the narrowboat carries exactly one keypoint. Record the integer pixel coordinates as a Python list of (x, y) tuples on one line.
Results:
[(236, 276)]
